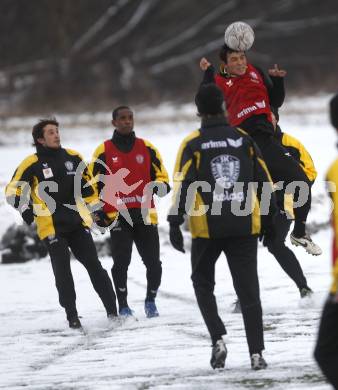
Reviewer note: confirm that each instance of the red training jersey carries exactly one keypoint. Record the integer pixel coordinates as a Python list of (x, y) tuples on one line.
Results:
[(126, 177), (244, 95)]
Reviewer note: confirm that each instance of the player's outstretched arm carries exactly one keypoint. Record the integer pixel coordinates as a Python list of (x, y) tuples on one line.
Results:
[(204, 64), (277, 72)]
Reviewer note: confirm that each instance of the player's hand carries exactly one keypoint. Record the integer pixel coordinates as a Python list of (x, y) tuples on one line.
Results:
[(27, 214), (204, 64), (100, 218), (176, 237), (276, 72)]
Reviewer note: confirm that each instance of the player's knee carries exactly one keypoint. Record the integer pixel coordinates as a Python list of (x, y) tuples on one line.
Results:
[(201, 285)]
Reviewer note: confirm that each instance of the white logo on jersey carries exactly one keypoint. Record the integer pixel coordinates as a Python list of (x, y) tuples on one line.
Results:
[(69, 165), (235, 143), (260, 104), (225, 169), (214, 144), (139, 158), (246, 111), (228, 197), (47, 173), (254, 75)]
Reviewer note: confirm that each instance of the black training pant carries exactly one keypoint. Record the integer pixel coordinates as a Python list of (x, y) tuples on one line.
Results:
[(241, 253), (283, 167), (81, 243), (326, 351), (284, 255), (146, 239)]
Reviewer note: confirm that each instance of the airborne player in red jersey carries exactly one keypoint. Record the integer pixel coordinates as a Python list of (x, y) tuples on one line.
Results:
[(248, 94)]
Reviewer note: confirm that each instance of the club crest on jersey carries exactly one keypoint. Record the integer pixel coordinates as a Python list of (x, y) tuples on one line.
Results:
[(139, 158), (69, 165), (70, 168), (225, 169), (254, 75)]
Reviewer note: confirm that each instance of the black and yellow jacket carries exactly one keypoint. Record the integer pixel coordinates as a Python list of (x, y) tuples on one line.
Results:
[(125, 144), (298, 151), (332, 179), (45, 181), (219, 157)]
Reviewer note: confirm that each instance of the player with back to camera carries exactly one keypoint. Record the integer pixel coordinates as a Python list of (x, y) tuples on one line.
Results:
[(217, 157)]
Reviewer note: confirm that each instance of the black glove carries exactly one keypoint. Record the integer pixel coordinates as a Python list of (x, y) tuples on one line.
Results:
[(176, 237), (100, 218), (27, 214)]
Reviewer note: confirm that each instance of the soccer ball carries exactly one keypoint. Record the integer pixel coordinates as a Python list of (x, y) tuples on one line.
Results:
[(239, 36)]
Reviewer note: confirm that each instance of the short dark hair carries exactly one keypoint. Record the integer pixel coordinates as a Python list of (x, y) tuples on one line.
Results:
[(37, 131), (334, 111), (224, 51), (117, 109), (209, 100)]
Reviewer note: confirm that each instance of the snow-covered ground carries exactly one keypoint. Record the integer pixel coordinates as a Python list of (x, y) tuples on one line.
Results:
[(38, 351)]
